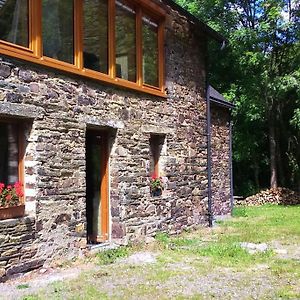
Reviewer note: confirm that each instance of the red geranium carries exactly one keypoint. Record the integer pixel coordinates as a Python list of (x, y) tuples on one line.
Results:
[(11, 194)]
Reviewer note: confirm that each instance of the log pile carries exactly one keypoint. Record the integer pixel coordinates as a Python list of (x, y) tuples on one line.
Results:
[(278, 196)]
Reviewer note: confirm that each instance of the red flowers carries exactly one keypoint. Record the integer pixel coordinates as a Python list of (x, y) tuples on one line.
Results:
[(10, 195), (157, 184), (154, 176)]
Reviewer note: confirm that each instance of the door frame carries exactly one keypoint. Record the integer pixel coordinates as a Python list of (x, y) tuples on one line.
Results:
[(104, 185)]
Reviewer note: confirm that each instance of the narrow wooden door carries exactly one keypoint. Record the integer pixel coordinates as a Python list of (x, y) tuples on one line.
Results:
[(97, 186)]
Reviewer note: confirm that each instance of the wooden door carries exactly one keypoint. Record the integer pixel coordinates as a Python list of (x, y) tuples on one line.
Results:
[(97, 186)]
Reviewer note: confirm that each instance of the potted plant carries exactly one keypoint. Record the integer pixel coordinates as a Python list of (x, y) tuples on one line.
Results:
[(10, 201), (157, 185)]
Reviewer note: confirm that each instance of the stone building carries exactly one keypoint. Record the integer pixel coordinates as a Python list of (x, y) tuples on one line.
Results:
[(95, 97)]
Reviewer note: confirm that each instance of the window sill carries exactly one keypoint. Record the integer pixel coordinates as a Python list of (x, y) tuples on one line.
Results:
[(12, 212)]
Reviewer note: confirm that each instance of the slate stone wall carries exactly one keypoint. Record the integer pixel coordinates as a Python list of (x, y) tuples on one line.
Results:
[(220, 157), (17, 246), (59, 108)]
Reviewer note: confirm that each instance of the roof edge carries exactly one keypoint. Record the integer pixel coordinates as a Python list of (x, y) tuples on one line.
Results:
[(218, 99), (207, 29)]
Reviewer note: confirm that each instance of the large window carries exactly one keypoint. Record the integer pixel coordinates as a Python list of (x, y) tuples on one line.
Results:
[(115, 41), (125, 41), (150, 52), (95, 37), (57, 29), (14, 24)]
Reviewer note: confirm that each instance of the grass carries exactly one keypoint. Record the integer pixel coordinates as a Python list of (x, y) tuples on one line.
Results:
[(203, 264), (110, 256)]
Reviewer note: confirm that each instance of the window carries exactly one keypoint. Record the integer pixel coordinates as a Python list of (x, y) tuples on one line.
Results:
[(150, 52), (115, 41), (14, 22), (11, 162), (156, 144), (125, 41), (57, 29), (95, 36)]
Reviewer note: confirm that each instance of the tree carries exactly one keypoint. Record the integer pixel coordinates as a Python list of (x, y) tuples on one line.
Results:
[(259, 70)]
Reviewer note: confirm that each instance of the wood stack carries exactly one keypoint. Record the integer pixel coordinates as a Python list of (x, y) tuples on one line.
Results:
[(279, 196)]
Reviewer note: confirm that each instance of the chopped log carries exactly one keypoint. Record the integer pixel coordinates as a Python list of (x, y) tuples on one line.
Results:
[(277, 196)]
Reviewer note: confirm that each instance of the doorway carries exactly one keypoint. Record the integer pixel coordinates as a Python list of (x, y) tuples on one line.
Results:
[(97, 170)]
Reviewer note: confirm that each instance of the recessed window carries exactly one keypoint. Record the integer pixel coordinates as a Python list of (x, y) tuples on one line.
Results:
[(9, 153), (125, 41), (156, 144), (14, 22), (58, 29), (150, 51), (95, 36)]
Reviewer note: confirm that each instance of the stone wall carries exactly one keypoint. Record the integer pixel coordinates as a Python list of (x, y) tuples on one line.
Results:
[(220, 157), (17, 246), (64, 107)]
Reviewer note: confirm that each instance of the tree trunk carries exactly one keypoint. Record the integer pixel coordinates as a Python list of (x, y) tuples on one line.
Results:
[(256, 174), (273, 164)]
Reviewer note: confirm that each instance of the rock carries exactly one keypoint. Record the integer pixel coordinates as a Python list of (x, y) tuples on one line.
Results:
[(281, 251), (254, 248), (149, 240), (2, 272), (141, 258), (5, 72)]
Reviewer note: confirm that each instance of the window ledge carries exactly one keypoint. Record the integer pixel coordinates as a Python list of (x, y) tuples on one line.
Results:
[(20, 110)]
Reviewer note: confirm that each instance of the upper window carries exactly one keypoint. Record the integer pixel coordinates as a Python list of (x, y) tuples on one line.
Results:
[(14, 22), (116, 41), (57, 29), (95, 35), (150, 51), (125, 41)]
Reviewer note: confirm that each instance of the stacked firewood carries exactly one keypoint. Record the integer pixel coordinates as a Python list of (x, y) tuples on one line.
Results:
[(277, 196)]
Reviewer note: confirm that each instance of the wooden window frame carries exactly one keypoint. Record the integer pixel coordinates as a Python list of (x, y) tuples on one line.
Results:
[(21, 151), (34, 53)]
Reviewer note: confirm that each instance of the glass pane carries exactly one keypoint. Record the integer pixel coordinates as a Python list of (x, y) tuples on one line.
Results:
[(95, 38), (57, 29), (94, 161), (125, 42), (9, 159), (14, 22), (150, 52)]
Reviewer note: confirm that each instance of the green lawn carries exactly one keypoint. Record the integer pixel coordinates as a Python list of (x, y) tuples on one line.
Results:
[(203, 264)]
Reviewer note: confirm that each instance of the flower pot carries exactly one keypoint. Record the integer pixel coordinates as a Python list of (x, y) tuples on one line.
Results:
[(156, 192), (12, 212)]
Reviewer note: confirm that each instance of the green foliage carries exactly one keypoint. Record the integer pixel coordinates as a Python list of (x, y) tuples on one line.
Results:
[(109, 256), (23, 286), (259, 71)]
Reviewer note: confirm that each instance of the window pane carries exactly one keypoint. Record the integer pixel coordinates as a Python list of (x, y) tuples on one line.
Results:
[(14, 22), (57, 28), (8, 154), (95, 39), (150, 52), (125, 42)]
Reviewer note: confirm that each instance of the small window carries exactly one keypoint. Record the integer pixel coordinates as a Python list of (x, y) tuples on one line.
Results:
[(95, 38), (156, 144), (125, 41), (14, 24), (58, 29), (9, 153), (150, 52)]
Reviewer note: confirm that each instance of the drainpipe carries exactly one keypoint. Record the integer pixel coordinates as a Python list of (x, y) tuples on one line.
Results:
[(208, 132), (231, 169)]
